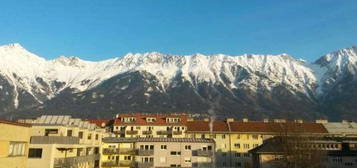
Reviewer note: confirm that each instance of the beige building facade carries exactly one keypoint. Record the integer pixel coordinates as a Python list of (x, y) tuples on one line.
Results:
[(64, 142), (158, 152), (14, 143)]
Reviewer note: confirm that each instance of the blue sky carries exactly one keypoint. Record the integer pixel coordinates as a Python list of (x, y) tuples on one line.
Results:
[(102, 29)]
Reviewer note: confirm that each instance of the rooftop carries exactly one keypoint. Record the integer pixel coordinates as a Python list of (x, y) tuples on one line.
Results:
[(191, 140), (14, 123)]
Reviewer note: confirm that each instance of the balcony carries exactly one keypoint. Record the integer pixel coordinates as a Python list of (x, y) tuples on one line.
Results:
[(109, 151), (167, 132), (126, 151), (110, 164), (54, 140), (132, 132), (144, 164), (177, 132), (74, 161), (205, 153), (126, 163), (119, 131), (147, 132), (141, 152)]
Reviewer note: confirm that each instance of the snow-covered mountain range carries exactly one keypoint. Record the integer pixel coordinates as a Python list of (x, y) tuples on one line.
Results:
[(255, 86)]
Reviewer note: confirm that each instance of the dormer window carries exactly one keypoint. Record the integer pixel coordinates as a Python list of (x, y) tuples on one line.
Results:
[(173, 120), (128, 119), (150, 119)]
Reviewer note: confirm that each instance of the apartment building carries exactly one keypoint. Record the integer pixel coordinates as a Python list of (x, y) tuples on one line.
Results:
[(234, 139), (318, 151), (157, 152), (64, 142), (14, 143), (150, 125), (341, 129)]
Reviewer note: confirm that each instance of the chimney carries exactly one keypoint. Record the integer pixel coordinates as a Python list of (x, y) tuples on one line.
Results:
[(190, 119), (229, 120), (266, 120), (345, 121), (279, 120), (321, 121), (298, 121), (245, 119)]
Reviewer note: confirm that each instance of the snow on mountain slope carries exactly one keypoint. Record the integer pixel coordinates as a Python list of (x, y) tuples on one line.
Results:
[(336, 66), (38, 76)]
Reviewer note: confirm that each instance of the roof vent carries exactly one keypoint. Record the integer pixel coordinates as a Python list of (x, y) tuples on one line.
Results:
[(229, 119), (279, 120), (298, 121), (321, 121)]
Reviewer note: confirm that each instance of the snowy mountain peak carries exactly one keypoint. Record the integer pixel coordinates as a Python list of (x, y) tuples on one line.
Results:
[(70, 61), (12, 46)]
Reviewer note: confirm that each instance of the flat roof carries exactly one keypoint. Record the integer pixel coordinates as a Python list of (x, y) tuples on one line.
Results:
[(15, 123)]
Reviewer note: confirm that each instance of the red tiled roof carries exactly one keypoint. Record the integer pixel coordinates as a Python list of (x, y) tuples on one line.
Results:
[(204, 126), (99, 123), (256, 126), (14, 123), (277, 127), (140, 119)]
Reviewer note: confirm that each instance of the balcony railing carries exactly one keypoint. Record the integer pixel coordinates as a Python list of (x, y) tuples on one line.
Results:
[(119, 131), (107, 151), (142, 152), (54, 140), (131, 132), (126, 163), (177, 132), (144, 164), (110, 164), (126, 151), (206, 153), (74, 161), (121, 163), (167, 132), (147, 132)]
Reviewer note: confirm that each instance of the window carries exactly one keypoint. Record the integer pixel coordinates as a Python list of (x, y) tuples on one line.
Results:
[(89, 136), (255, 145), (147, 159), (188, 147), (238, 136), (17, 149), (175, 165), (175, 153), (35, 153), (51, 131), (237, 145), (246, 155), (255, 136), (187, 160), (246, 146), (237, 154), (96, 136), (163, 147), (80, 135), (127, 157), (247, 136), (223, 136), (69, 133)]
